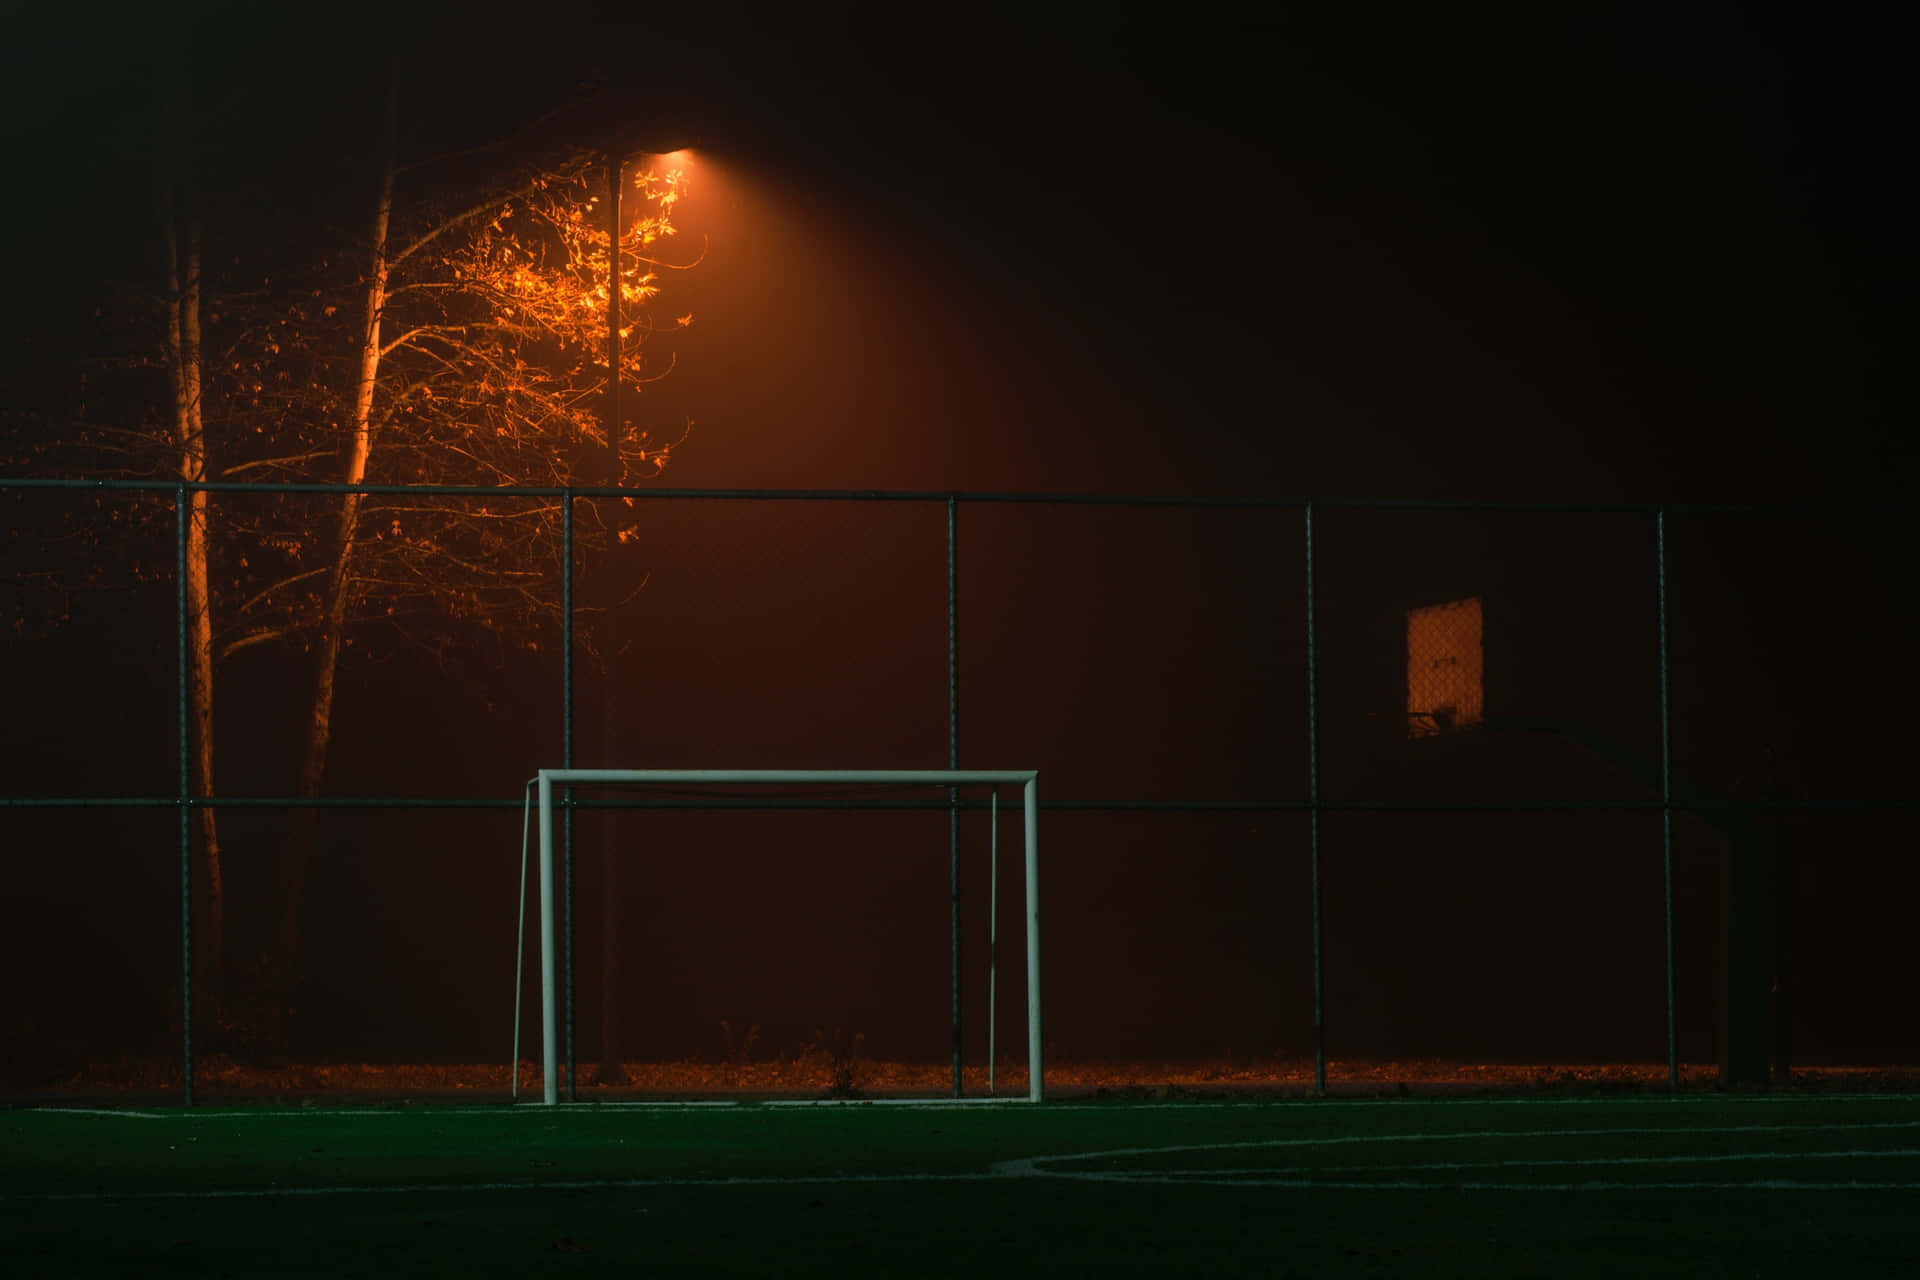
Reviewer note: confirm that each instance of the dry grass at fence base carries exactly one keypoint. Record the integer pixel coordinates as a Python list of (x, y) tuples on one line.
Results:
[(825, 1076)]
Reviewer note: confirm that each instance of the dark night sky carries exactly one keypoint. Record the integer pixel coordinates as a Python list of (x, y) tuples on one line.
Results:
[(1639, 256)]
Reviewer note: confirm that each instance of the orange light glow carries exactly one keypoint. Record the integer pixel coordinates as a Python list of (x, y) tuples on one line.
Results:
[(1444, 668)]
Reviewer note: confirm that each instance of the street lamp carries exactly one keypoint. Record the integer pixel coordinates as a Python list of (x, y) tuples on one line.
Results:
[(611, 1071)]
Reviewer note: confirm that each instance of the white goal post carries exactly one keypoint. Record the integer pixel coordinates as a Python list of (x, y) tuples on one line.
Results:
[(550, 778)]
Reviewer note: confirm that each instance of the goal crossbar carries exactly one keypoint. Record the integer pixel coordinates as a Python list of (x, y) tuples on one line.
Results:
[(547, 779)]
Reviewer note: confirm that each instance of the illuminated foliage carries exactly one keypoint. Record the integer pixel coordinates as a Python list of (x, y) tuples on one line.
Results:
[(492, 371), (458, 339)]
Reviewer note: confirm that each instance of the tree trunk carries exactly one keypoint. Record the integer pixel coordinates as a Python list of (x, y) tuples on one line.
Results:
[(313, 759), (183, 359)]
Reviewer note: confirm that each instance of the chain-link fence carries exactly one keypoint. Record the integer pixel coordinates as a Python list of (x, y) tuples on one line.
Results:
[(1325, 785)]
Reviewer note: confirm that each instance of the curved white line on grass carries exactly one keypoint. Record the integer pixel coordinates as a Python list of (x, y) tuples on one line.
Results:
[(1319, 1184), (1347, 1140), (1039, 1166), (1032, 1167), (1207, 1175)]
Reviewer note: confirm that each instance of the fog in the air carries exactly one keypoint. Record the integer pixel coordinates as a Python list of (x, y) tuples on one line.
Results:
[(1037, 264)]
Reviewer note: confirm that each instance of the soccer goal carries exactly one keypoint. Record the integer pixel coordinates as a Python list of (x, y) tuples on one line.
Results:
[(548, 779)]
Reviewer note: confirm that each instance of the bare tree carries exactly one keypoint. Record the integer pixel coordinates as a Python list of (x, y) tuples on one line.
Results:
[(183, 356), (477, 358), (140, 412), (455, 339)]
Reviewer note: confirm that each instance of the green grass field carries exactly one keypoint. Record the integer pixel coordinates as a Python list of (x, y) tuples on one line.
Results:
[(1692, 1185)]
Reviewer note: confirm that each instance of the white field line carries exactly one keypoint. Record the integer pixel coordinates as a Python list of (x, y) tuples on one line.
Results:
[(822, 1180), (430, 1188), (529, 1109), (749, 1107), (1040, 1166), (1030, 1167), (1319, 1184), (1295, 1171), (911, 1104), (1260, 1144)]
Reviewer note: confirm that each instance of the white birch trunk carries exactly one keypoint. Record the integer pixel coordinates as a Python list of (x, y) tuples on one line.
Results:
[(183, 359)]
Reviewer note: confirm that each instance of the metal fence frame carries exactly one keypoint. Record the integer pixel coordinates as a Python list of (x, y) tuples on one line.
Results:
[(950, 501)]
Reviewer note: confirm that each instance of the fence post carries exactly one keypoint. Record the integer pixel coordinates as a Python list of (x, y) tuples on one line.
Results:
[(953, 762), (1313, 829), (1666, 793), (180, 518), (566, 750)]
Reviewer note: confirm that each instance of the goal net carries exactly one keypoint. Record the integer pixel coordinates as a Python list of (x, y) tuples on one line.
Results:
[(549, 779)]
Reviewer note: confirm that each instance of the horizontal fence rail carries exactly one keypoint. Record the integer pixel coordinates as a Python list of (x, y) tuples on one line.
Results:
[(936, 496), (969, 803)]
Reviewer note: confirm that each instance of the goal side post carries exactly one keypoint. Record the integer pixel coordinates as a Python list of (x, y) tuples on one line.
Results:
[(549, 1057), (1027, 778)]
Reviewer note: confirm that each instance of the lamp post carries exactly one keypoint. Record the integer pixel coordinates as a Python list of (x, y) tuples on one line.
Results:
[(611, 1071)]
